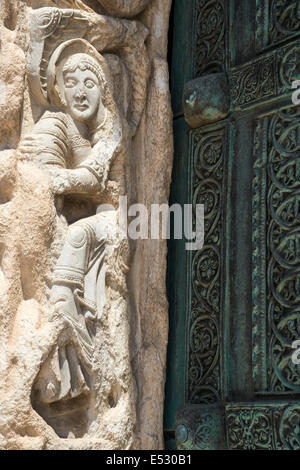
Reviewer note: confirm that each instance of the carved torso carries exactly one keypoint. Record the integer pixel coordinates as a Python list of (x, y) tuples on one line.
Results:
[(58, 142)]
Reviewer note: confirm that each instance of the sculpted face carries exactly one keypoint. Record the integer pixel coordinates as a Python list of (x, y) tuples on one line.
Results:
[(82, 93)]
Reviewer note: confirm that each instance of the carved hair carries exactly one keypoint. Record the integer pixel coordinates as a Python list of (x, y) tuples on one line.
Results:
[(84, 62)]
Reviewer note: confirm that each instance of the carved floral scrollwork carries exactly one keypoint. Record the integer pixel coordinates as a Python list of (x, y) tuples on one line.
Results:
[(266, 77), (253, 82), (285, 17), (204, 382), (276, 21), (249, 429), (289, 428), (203, 432), (210, 37), (263, 427), (288, 61), (283, 240), (279, 249)]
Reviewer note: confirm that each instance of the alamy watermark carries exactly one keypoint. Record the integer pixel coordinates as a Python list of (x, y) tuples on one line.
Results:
[(137, 222), (296, 93), (296, 354)]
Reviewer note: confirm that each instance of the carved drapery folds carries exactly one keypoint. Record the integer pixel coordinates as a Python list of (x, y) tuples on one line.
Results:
[(74, 355)]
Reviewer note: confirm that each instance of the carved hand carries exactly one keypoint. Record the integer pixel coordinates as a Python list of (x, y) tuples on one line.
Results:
[(29, 148), (77, 181)]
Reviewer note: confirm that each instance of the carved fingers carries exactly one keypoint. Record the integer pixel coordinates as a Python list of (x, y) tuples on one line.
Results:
[(77, 181), (60, 181), (29, 147)]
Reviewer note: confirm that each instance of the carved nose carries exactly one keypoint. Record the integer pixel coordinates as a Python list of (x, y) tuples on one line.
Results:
[(80, 94)]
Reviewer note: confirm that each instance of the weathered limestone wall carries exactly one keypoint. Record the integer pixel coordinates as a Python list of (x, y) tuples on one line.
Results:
[(85, 118)]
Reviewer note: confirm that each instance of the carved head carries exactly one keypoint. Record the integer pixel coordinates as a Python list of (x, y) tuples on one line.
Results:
[(79, 81), (82, 87)]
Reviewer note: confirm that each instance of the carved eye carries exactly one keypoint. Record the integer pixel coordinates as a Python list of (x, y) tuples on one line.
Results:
[(89, 83), (70, 82)]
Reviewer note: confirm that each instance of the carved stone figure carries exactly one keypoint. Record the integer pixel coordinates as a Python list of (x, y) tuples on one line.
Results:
[(79, 81), (78, 347), (80, 146)]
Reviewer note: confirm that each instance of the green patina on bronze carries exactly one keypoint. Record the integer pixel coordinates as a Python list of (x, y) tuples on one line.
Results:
[(235, 304), (206, 100)]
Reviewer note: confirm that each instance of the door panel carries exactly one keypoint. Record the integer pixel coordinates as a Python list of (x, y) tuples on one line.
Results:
[(235, 304)]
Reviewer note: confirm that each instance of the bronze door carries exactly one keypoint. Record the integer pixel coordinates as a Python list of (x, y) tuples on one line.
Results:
[(235, 304)]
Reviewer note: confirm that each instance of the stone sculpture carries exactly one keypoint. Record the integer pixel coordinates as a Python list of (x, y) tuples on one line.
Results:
[(78, 146), (76, 362)]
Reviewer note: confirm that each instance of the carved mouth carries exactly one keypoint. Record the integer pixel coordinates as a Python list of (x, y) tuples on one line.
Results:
[(81, 107)]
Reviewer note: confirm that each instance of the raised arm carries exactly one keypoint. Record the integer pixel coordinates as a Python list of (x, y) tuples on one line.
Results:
[(90, 177)]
